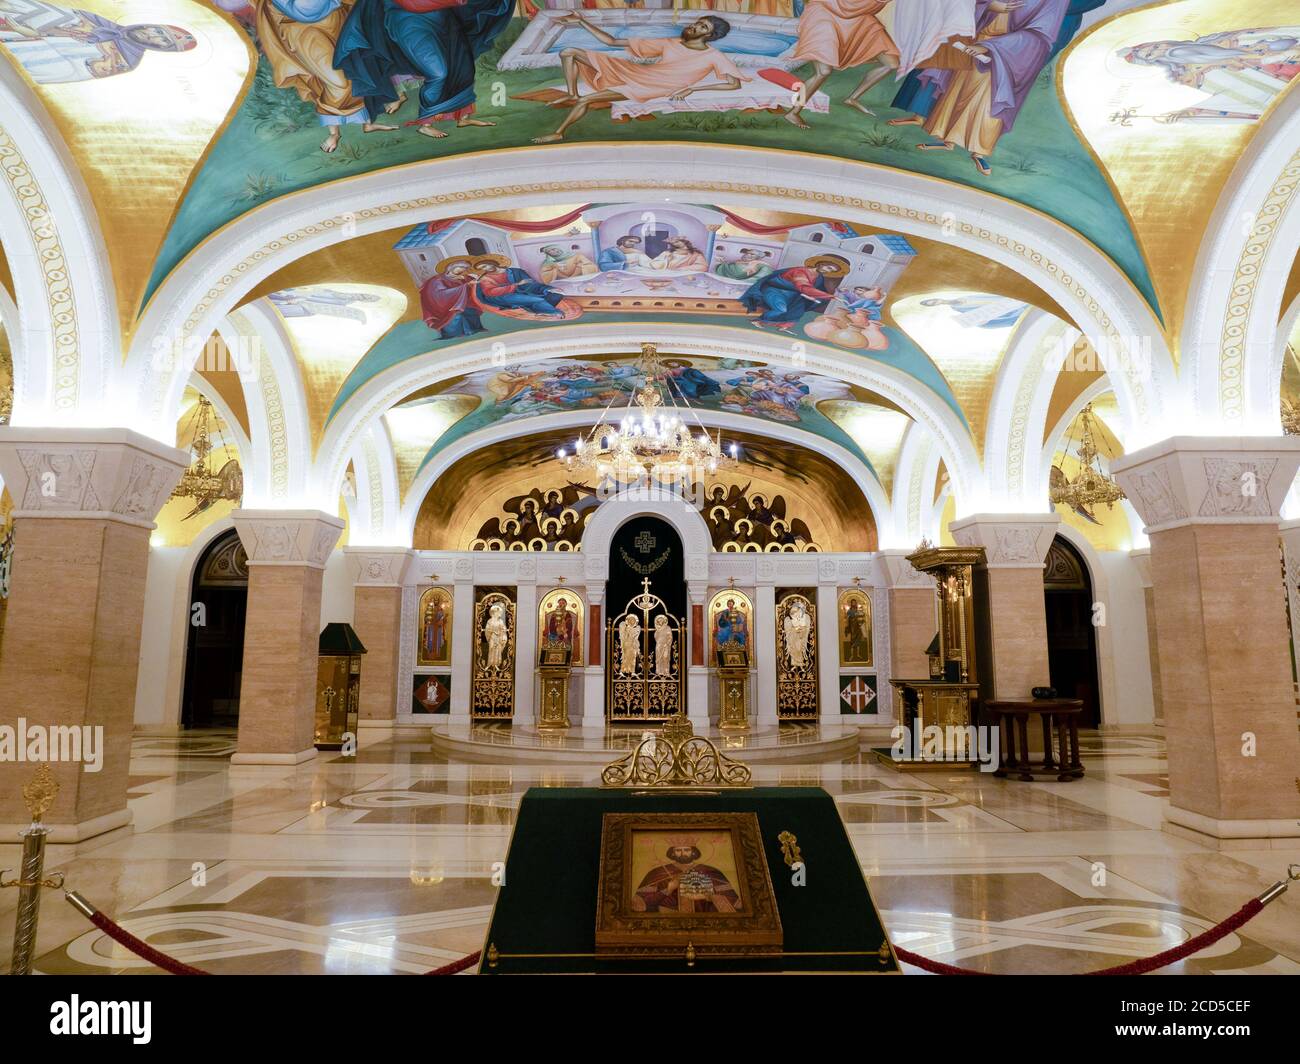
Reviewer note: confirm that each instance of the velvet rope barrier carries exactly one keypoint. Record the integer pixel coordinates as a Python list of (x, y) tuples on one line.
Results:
[(1246, 913)]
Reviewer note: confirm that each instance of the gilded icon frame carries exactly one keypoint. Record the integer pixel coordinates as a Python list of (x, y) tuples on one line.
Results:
[(753, 928), (428, 598)]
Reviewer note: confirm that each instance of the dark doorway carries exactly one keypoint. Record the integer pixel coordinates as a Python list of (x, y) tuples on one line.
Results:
[(214, 652), (1071, 636), (646, 548)]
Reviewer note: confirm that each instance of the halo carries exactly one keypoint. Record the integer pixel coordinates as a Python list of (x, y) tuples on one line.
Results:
[(842, 265), (446, 264), (496, 260)]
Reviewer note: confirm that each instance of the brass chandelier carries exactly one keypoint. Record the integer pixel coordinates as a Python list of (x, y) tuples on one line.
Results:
[(1090, 485), (657, 437), (200, 482)]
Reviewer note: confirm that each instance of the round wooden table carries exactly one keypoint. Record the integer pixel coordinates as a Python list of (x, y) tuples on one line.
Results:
[(1012, 717)]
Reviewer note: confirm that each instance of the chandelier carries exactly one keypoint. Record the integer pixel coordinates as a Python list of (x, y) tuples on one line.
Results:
[(1090, 485), (199, 482), (656, 437)]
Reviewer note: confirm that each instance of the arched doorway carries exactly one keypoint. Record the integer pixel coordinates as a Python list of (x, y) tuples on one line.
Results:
[(646, 678), (214, 649), (1071, 636)]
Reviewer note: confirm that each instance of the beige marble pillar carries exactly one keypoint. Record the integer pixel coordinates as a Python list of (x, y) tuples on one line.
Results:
[(287, 552), (912, 621), (85, 500), (1211, 511), (1015, 546), (1142, 559), (379, 574)]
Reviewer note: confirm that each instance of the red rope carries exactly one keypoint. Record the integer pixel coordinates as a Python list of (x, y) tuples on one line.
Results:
[(1139, 967), (141, 948), (457, 966)]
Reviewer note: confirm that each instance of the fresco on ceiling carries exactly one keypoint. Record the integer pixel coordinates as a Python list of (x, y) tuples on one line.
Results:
[(553, 386), (476, 278), (824, 280), (957, 89)]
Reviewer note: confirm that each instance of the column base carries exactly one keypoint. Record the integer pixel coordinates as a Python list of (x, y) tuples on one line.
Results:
[(1231, 834), (63, 834), (274, 759)]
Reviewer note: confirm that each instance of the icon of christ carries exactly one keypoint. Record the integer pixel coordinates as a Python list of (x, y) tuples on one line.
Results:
[(684, 885)]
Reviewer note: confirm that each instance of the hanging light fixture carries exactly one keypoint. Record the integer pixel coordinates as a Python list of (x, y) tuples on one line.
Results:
[(1090, 485), (657, 437), (199, 482)]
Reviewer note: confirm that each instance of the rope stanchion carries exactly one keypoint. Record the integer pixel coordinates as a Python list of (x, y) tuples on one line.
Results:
[(1246, 913), (1163, 959), (124, 937)]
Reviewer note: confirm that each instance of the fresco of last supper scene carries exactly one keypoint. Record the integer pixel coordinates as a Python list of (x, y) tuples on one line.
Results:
[(651, 486)]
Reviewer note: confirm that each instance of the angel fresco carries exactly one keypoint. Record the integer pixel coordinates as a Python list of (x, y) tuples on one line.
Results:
[(58, 45)]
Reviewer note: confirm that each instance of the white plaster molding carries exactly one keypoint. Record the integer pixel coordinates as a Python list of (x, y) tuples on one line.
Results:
[(1209, 480), (1010, 541), (96, 473), (287, 537), (1241, 271), (379, 566)]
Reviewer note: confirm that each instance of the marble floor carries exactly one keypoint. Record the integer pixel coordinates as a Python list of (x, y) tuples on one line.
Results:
[(381, 863)]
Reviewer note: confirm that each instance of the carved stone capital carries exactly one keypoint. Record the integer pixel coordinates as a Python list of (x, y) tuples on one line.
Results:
[(379, 566), (1209, 480), (897, 572), (287, 537), (110, 474), (1010, 541)]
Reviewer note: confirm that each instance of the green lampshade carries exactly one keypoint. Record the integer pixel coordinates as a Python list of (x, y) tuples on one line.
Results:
[(339, 638)]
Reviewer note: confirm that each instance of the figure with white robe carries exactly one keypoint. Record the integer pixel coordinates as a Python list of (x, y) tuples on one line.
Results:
[(796, 628), (497, 634), (663, 647), (629, 645), (57, 45)]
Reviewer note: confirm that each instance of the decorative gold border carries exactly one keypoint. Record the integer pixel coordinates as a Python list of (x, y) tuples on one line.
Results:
[(426, 597), (841, 606)]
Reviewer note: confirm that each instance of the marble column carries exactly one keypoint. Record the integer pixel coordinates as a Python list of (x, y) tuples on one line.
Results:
[(912, 622), (698, 677), (764, 637), (526, 681), (1142, 560), (379, 573), (1211, 508), (1015, 546), (287, 552), (828, 643), (84, 504), (462, 639), (593, 676)]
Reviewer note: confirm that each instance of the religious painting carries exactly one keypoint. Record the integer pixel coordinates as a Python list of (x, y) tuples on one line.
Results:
[(858, 695), (669, 879), (796, 654), (434, 627), (559, 628), (855, 629), (731, 620), (492, 693), (431, 694)]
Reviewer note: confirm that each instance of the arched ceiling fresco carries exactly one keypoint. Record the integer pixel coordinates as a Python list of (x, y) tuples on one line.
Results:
[(1120, 119)]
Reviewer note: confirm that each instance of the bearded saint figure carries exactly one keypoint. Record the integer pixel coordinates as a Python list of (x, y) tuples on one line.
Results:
[(629, 641)]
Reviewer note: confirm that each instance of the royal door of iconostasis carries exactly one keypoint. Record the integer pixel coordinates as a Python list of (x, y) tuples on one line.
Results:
[(645, 636)]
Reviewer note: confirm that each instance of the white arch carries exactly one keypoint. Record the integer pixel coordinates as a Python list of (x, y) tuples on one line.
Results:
[(1018, 408), (530, 426), (614, 513), (66, 339), (389, 387), (277, 411), (914, 477), (1086, 284), (375, 515), (1241, 271)]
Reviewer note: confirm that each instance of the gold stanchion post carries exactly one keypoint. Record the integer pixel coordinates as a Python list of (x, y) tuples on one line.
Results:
[(39, 795)]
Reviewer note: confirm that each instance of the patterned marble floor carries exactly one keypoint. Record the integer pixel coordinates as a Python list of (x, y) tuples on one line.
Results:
[(381, 863)]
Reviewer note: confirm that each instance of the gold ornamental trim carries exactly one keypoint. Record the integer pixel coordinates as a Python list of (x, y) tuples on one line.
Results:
[(676, 757)]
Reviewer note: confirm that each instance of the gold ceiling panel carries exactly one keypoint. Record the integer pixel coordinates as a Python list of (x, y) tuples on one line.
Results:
[(1168, 163), (137, 134), (876, 429), (414, 427), (331, 328), (965, 333)]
